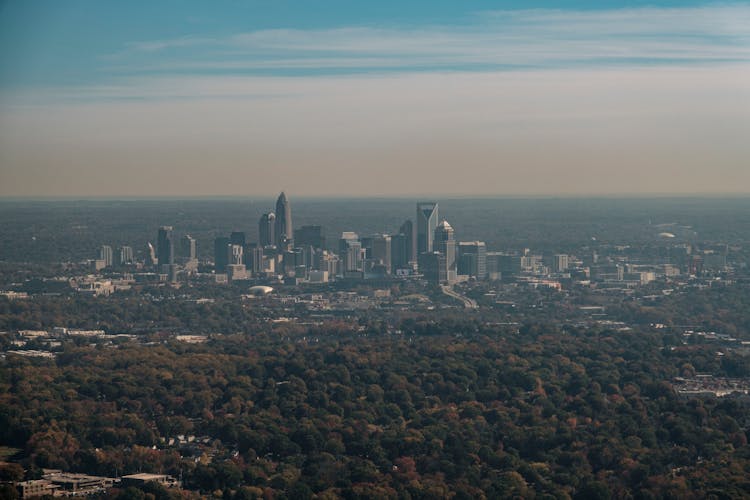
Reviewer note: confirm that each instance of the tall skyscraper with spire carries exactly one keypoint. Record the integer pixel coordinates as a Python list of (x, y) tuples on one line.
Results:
[(283, 225), (427, 222)]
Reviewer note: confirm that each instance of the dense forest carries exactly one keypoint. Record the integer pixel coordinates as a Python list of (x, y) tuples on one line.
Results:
[(452, 410)]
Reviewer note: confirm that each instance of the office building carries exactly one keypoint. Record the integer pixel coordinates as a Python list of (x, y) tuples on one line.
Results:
[(236, 272), (283, 225), (427, 222), (188, 248), (36, 488), (503, 266), (309, 235), (366, 243), (329, 262), (221, 254), (472, 259), (138, 480), (560, 263), (380, 253), (445, 243), (400, 252), (407, 230), (253, 258), (433, 267), (105, 254), (351, 252), (165, 246), (267, 229), (151, 259), (318, 277), (126, 255), (236, 253)]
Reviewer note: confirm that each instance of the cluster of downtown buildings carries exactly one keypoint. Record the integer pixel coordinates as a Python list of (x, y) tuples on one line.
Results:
[(426, 248), (423, 248)]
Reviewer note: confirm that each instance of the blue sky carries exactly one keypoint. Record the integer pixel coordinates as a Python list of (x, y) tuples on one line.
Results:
[(75, 42), (615, 90)]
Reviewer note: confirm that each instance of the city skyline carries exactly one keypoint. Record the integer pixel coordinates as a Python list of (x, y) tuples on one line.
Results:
[(568, 99)]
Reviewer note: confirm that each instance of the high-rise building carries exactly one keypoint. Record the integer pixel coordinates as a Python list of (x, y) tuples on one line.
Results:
[(267, 229), (253, 258), (126, 255), (188, 248), (433, 267), (329, 263), (407, 229), (503, 266), (235, 254), (427, 221), (165, 246), (105, 254), (472, 260), (151, 258), (445, 243), (350, 249), (309, 235), (560, 263), (221, 254), (283, 226), (400, 252), (366, 243), (381, 252)]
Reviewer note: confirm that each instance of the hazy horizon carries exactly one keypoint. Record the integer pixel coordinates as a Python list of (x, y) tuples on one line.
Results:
[(375, 197)]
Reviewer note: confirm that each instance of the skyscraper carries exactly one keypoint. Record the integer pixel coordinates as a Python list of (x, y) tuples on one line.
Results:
[(381, 251), (309, 235), (165, 246), (407, 229), (560, 263), (126, 255), (433, 268), (283, 226), (350, 249), (188, 248), (267, 229), (400, 252), (427, 221), (221, 254), (151, 259), (235, 254), (105, 254), (472, 259), (445, 243)]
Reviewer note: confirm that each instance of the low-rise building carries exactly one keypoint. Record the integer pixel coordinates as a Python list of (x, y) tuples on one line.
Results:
[(36, 488), (143, 478)]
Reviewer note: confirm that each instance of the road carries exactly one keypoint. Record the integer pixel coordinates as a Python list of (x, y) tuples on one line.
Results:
[(468, 303)]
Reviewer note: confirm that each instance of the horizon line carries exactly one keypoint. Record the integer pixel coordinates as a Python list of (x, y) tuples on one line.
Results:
[(379, 196)]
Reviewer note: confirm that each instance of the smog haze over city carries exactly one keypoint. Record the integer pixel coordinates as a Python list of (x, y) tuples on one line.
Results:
[(407, 250), (390, 99)]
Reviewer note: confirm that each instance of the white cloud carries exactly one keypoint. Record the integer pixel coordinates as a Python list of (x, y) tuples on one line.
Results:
[(531, 38), (594, 116)]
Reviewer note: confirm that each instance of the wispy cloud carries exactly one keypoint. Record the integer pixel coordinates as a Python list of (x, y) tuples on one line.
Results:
[(528, 38)]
